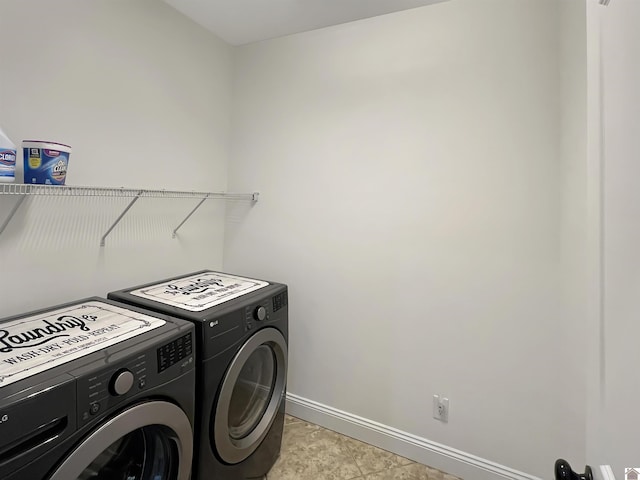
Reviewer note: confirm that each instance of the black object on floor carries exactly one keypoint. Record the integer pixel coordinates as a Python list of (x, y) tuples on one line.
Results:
[(564, 472)]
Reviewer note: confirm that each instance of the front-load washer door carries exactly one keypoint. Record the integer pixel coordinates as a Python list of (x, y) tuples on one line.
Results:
[(150, 441), (250, 396)]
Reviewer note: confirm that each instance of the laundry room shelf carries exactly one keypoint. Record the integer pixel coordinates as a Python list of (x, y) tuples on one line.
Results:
[(25, 190)]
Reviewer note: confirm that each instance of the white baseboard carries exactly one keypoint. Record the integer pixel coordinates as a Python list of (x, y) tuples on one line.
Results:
[(442, 457), (604, 473)]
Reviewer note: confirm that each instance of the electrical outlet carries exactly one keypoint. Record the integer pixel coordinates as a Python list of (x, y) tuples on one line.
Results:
[(441, 408)]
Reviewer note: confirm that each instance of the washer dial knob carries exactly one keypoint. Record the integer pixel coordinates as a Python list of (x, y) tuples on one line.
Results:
[(121, 382), (260, 313)]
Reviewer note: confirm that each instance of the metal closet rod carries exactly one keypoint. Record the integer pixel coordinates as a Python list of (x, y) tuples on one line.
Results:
[(24, 190)]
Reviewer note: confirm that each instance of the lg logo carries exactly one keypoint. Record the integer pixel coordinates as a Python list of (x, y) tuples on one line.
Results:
[(4, 418)]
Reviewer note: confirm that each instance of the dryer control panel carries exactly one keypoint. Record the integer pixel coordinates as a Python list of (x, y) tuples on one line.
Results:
[(239, 320), (280, 301), (263, 311), (255, 314)]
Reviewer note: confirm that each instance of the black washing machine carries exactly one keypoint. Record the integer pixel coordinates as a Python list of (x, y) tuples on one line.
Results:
[(94, 391), (242, 334)]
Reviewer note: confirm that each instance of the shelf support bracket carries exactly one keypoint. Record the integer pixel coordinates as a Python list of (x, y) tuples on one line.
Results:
[(131, 203), (175, 231), (12, 213)]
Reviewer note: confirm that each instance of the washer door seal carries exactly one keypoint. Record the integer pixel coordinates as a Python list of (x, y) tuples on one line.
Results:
[(156, 413), (231, 447)]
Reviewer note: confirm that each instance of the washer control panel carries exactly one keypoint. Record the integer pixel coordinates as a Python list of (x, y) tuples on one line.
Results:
[(122, 382), (103, 389), (100, 391), (174, 352)]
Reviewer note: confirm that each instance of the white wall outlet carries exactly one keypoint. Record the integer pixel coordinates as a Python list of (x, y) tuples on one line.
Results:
[(441, 408)]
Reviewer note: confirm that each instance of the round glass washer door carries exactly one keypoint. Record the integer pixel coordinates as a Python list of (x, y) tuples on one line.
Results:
[(151, 441), (250, 396)]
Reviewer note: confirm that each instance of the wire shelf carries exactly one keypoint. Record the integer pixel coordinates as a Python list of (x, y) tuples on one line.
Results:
[(25, 190), (75, 191)]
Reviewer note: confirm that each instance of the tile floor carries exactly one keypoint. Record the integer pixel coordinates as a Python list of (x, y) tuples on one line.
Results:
[(310, 452)]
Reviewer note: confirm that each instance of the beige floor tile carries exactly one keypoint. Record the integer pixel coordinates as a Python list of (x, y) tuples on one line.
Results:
[(371, 459), (410, 472), (295, 433), (320, 455), (310, 452), (289, 419)]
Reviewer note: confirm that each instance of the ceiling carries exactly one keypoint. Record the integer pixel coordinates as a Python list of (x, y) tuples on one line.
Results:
[(244, 21)]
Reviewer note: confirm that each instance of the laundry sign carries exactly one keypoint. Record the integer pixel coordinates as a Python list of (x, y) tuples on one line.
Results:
[(37, 343), (201, 291)]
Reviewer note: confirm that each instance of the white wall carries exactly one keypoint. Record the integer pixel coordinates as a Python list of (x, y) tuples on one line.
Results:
[(574, 326), (411, 174), (595, 353), (143, 96), (621, 334)]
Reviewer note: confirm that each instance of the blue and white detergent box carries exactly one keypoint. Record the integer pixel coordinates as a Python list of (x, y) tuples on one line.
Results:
[(45, 163), (7, 159)]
